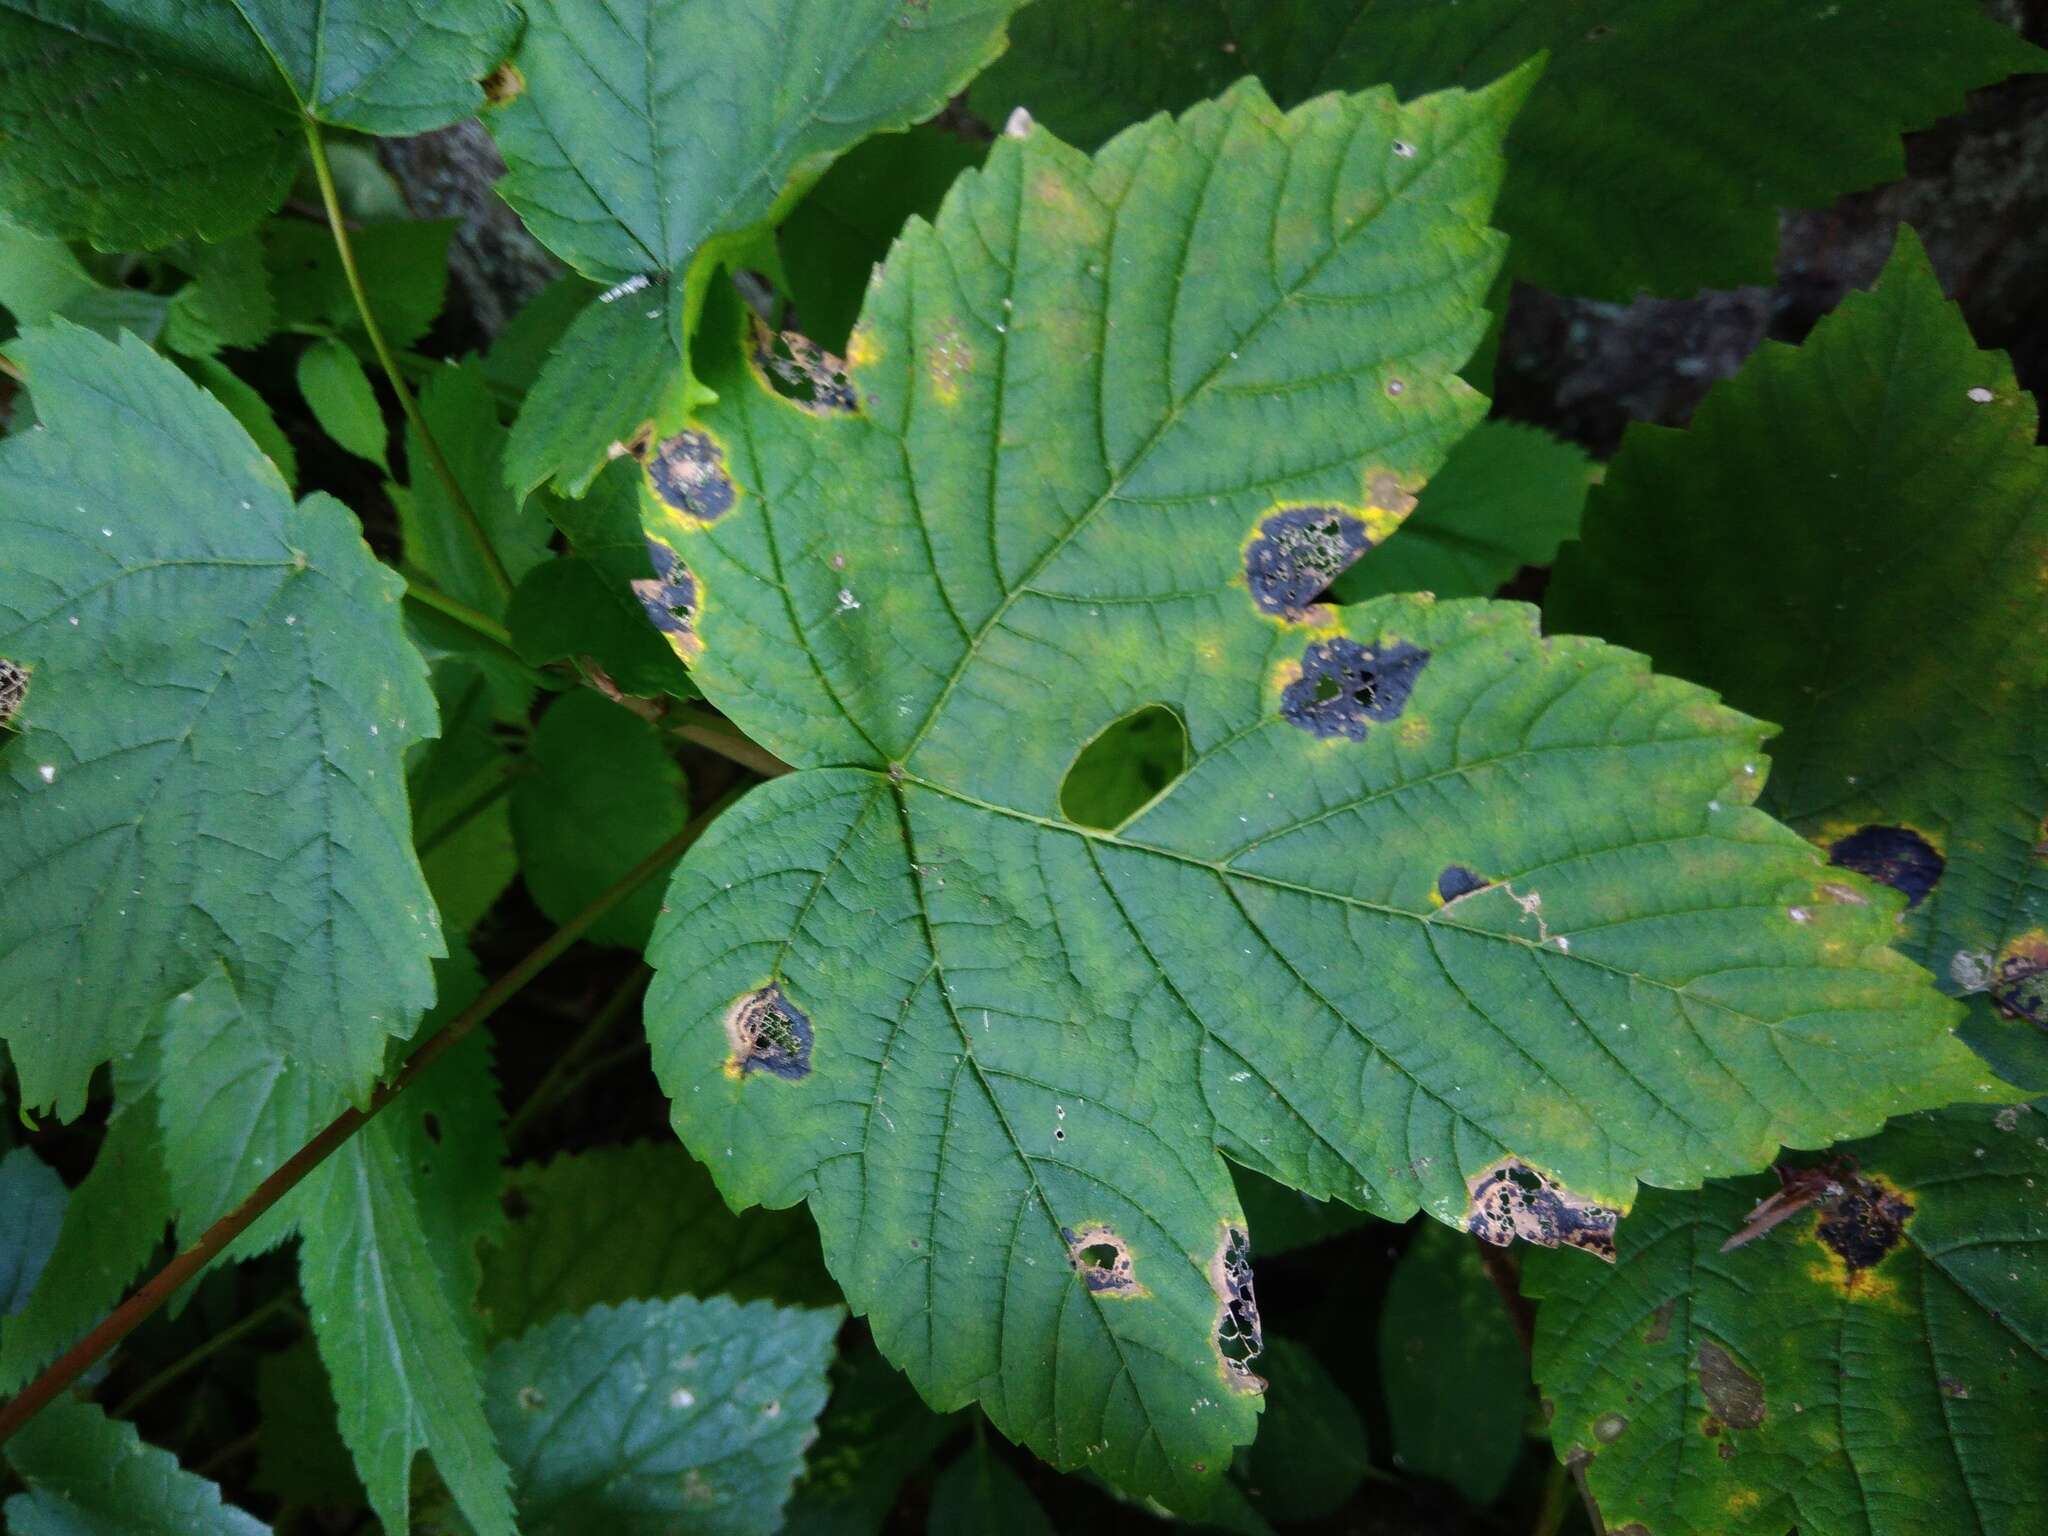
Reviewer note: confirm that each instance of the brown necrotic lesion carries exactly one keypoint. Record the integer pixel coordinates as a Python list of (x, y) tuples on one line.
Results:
[(1510, 1200), (1240, 1339), (688, 473), (1102, 1260), (802, 372)]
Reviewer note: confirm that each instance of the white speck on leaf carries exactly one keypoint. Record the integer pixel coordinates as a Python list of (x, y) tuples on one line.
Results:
[(1982, 396), (47, 773)]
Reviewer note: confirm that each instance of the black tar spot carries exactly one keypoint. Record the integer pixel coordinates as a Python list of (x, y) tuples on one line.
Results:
[(1456, 880), (688, 471), (1297, 554), (1896, 856), (1343, 685), (1863, 1223), (671, 597), (771, 1034)]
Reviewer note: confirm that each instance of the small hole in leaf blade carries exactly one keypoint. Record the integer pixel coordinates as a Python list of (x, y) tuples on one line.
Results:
[(1125, 767)]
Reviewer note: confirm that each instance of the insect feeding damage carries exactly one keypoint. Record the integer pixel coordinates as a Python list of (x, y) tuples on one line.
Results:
[(1344, 685), (1239, 1338), (1102, 1260), (1297, 554), (1895, 856), (13, 690), (688, 474), (768, 1033), (798, 370), (1510, 1200), (670, 598)]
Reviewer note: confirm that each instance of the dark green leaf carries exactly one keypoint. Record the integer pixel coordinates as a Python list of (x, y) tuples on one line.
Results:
[(979, 1495), (299, 1454), (1654, 155), (570, 608), (1875, 1364), (1311, 1454), (1281, 1220), (516, 355), (131, 124), (460, 788), (227, 300), (874, 1433), (113, 1224), (1506, 497), (1455, 1377), (1849, 541), (249, 409), (834, 239), (41, 280), (462, 413), (600, 792), (589, 1234), (404, 268)]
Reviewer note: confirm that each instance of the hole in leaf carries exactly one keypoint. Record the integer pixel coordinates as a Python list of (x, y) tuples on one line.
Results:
[(1125, 768), (1098, 1255)]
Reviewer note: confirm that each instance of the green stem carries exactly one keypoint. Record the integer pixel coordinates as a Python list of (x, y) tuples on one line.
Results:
[(124, 1319), (240, 1329), (338, 226), (472, 619), (489, 797)]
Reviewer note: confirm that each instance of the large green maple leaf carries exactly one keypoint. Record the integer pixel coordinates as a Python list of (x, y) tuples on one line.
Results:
[(1442, 914), (209, 767), (651, 137), (1873, 1366), (1656, 152), (131, 123), (1898, 630)]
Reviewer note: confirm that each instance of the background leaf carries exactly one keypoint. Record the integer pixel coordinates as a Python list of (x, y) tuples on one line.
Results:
[(1311, 1453), (588, 1235), (1896, 631), (649, 133), (212, 668), (599, 794), (334, 385), (1631, 168), (133, 124), (979, 1495), (113, 1224), (1866, 1367), (656, 1415), (31, 1214), (89, 1475), (1506, 497), (1455, 1378)]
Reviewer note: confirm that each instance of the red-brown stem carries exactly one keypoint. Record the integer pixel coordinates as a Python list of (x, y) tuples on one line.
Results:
[(124, 1319)]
